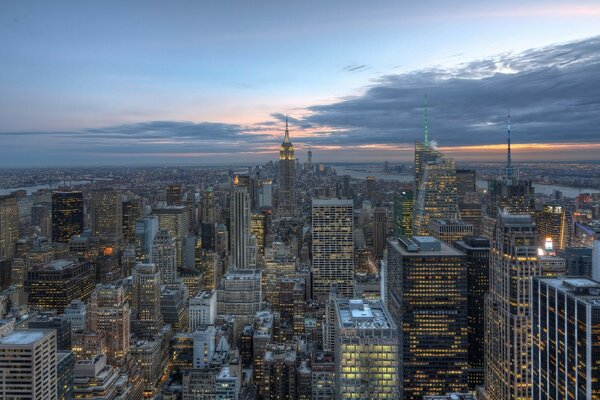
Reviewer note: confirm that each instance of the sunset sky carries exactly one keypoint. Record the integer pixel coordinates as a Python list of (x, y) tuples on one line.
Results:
[(199, 82)]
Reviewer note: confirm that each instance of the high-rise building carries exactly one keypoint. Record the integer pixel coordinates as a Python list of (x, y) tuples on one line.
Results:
[(146, 317), (28, 365), (552, 227), (54, 285), (477, 250), (109, 312), (9, 226), (164, 255), (131, 212), (287, 175), (279, 380), (465, 183), (76, 314), (366, 349), (449, 231), (427, 295), (513, 262), (379, 231), (258, 229), (208, 212), (240, 228), (265, 194), (202, 309), (332, 247), (176, 220), (578, 261), (508, 192), (565, 316), (371, 189), (436, 197), (107, 214), (174, 305), (240, 294), (174, 194), (403, 213), (146, 229), (67, 215)]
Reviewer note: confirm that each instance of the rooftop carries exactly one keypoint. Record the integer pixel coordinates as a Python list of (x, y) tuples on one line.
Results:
[(363, 314), (25, 336)]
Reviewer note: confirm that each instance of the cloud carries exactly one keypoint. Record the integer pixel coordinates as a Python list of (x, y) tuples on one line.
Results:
[(355, 68), (553, 94)]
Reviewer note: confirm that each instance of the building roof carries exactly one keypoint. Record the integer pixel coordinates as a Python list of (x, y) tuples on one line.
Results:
[(24, 337)]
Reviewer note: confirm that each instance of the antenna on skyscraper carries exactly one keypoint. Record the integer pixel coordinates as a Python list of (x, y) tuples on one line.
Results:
[(509, 168), (286, 139), (426, 141)]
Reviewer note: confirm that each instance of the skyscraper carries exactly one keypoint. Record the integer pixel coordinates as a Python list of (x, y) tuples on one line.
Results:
[(437, 196), (403, 213), (552, 227), (287, 175), (107, 214), (513, 262), (333, 247), (146, 317), (379, 231), (566, 339), (67, 215), (109, 312), (477, 250), (174, 195), (146, 229), (9, 226), (28, 365), (52, 286), (176, 220), (509, 192), (208, 213), (164, 255), (427, 295), (131, 212), (240, 228), (366, 350)]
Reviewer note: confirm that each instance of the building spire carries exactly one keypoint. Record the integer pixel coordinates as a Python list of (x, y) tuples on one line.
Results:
[(509, 168), (426, 141), (286, 139)]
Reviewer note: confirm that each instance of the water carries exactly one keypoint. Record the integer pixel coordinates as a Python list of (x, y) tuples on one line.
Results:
[(33, 189), (362, 172)]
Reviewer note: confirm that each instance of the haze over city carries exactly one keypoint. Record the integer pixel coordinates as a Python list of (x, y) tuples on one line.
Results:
[(196, 83)]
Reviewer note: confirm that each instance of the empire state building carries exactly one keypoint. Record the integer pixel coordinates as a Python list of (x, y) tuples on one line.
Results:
[(287, 163)]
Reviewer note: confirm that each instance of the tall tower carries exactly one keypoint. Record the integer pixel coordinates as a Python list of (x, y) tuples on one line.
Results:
[(333, 247), (9, 226), (240, 228), (146, 317), (287, 174), (107, 214), (164, 255), (513, 262), (309, 158), (67, 215)]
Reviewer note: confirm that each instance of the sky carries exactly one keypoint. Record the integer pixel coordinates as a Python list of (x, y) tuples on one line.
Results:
[(203, 82)]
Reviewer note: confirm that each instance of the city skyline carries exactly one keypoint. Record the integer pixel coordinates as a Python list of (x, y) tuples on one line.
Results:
[(208, 86)]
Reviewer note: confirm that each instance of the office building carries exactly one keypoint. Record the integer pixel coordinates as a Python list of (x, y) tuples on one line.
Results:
[(49, 321), (578, 261), (65, 364), (279, 379), (202, 309), (107, 214), (403, 213), (240, 228), (332, 247), (146, 317), (28, 365), (553, 228), (240, 294), (379, 231), (174, 306), (174, 194), (76, 314), (465, 183), (566, 341), (9, 226), (513, 262), (54, 285), (176, 220), (208, 212), (436, 195), (164, 255), (366, 351), (286, 206), (67, 215), (477, 250), (449, 231), (109, 313), (427, 295), (146, 229)]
